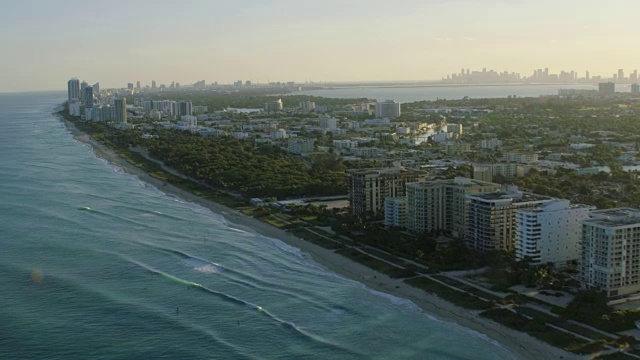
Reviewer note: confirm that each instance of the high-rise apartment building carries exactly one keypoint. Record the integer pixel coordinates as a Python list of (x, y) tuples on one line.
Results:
[(274, 106), (138, 85), (301, 146), (96, 89), (87, 96), (307, 106), (181, 108), (550, 232), (442, 204), (395, 212), (120, 106), (328, 123), (73, 89), (153, 85), (610, 252), (491, 219), (608, 88), (388, 109), (368, 188)]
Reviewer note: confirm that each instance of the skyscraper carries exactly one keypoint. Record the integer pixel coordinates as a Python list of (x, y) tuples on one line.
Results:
[(130, 86), (87, 96), (96, 89), (620, 75), (138, 85), (153, 85), (121, 111), (73, 89)]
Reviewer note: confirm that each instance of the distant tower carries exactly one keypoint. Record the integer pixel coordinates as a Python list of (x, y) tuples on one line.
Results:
[(87, 96), (130, 86), (121, 111), (620, 75), (587, 75), (608, 88), (153, 85), (388, 108), (96, 89), (138, 85), (73, 89)]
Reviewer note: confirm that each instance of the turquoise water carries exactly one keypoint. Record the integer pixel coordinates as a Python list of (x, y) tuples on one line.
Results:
[(94, 264)]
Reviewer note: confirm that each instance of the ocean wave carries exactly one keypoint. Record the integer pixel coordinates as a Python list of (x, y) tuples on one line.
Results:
[(395, 300)]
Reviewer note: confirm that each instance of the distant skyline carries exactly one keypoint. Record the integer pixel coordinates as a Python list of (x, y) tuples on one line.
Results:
[(47, 42)]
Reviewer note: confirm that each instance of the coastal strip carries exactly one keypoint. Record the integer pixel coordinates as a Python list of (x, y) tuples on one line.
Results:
[(521, 344)]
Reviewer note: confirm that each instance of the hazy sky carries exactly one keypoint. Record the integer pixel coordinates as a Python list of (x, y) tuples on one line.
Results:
[(113, 42)]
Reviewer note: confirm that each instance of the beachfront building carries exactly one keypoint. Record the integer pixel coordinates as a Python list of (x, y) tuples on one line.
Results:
[(120, 116), (442, 204), (368, 188), (550, 233), (73, 90), (87, 97), (387, 109), (491, 219), (610, 254), (395, 212)]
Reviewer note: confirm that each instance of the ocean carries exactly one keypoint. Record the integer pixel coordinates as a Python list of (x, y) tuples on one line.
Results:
[(450, 92), (96, 264)]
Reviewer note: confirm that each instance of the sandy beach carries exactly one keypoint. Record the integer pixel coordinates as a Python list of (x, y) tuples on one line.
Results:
[(522, 345)]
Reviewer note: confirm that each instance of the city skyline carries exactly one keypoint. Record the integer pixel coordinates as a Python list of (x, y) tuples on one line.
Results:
[(290, 41)]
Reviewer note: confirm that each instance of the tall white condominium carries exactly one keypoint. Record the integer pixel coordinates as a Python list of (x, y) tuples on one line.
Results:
[(387, 109), (120, 111), (610, 258), (551, 232), (441, 205), (73, 89), (491, 220)]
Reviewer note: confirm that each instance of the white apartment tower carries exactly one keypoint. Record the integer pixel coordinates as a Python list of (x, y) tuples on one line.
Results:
[(610, 255), (551, 232), (387, 109)]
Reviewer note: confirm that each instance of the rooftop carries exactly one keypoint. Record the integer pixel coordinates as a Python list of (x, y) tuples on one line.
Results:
[(516, 196), (614, 217)]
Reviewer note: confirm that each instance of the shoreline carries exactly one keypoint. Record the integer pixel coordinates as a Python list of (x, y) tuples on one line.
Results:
[(519, 344)]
